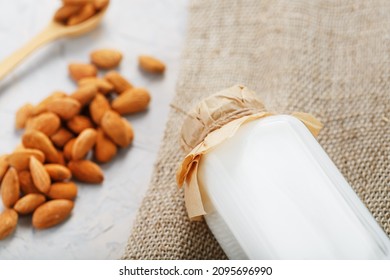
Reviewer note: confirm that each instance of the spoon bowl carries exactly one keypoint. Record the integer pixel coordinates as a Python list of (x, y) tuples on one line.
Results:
[(53, 31), (81, 28)]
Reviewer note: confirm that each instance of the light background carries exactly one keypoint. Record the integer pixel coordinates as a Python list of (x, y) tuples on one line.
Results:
[(103, 214)]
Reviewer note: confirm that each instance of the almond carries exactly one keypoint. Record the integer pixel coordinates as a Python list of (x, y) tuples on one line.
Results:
[(23, 114), (20, 159), (10, 188), (85, 94), (78, 123), (58, 172), (114, 128), (62, 190), (26, 183), (52, 213), (85, 13), (65, 12), (8, 222), (47, 123), (81, 70), (61, 137), (68, 149), (105, 149), (28, 203), (39, 175), (3, 166), (37, 140), (86, 171), (100, 4), (41, 107), (131, 101), (118, 81), (151, 64), (66, 108), (98, 107), (84, 143), (106, 58), (102, 85)]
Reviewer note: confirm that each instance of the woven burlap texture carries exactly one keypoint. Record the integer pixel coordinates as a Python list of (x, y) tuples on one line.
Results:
[(327, 58)]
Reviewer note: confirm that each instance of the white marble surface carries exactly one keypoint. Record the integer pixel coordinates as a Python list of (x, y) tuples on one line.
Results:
[(103, 214)]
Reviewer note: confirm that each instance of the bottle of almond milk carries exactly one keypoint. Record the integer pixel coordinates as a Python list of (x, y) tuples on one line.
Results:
[(267, 189)]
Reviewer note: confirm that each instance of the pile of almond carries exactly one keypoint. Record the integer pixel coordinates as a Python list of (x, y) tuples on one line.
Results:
[(74, 12), (64, 135)]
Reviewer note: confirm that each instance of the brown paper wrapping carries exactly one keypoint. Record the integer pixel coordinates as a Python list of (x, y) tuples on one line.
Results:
[(214, 120)]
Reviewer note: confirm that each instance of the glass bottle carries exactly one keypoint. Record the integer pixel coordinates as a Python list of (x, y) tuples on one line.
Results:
[(267, 189)]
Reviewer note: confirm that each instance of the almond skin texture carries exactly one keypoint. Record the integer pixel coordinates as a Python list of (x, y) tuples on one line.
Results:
[(37, 110), (106, 58), (65, 12), (68, 149), (61, 137), (3, 166), (39, 175), (129, 131), (85, 13), (85, 94), (58, 172), (61, 158), (84, 143), (8, 222), (78, 123), (67, 190), (105, 149), (79, 71), (41, 107), (131, 101), (28, 203), (22, 115), (98, 107), (10, 188), (21, 159), (151, 64), (86, 171), (102, 85), (118, 81), (114, 128), (76, 2), (66, 108), (52, 213), (26, 183), (37, 140), (47, 123)]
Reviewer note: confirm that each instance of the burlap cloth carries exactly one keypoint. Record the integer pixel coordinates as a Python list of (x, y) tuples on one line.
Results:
[(327, 58)]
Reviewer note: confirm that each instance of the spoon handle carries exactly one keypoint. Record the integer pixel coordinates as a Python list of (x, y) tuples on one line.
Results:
[(46, 35)]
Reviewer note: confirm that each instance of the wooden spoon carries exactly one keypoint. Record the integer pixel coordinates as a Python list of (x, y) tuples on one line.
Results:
[(52, 32)]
